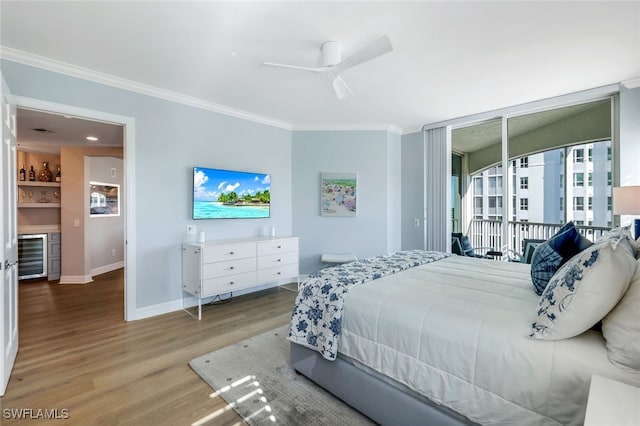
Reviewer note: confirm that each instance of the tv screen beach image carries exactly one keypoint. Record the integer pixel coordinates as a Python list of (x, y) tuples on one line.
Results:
[(226, 194)]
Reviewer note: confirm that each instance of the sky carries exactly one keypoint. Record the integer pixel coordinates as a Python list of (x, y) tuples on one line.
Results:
[(208, 184)]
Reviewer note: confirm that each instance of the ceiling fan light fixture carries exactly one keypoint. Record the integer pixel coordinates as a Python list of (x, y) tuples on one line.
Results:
[(333, 64), (331, 53)]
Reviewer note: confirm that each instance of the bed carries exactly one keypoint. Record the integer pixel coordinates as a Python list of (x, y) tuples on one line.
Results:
[(445, 341)]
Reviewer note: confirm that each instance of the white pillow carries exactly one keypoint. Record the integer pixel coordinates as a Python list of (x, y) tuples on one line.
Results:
[(584, 289), (621, 328)]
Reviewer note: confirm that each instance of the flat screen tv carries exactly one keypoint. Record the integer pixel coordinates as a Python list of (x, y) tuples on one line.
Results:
[(227, 194)]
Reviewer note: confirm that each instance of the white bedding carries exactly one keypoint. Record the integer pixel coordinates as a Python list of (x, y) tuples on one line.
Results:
[(455, 331)]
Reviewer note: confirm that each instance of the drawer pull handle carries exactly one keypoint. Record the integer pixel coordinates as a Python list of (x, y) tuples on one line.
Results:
[(232, 267), (279, 246), (279, 260), (279, 273), (231, 282), (231, 252)]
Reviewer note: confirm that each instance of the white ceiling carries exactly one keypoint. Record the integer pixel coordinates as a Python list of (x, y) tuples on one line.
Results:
[(45, 132), (450, 59)]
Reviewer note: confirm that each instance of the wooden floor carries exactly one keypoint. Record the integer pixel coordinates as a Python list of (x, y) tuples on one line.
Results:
[(77, 354)]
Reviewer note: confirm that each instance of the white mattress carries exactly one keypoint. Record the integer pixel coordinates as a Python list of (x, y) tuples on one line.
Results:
[(455, 331)]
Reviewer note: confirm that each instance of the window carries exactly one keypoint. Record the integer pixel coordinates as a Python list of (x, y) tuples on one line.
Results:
[(477, 206), (590, 179), (578, 203), (608, 153), (609, 178), (590, 154), (492, 185), (524, 162), (561, 203), (590, 203), (579, 222), (609, 203), (578, 156), (524, 204), (524, 183), (578, 179), (477, 186)]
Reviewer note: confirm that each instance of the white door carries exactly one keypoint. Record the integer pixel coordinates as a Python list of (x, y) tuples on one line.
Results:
[(9, 240)]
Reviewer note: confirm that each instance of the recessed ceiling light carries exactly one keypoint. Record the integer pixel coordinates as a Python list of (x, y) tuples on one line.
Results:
[(92, 138)]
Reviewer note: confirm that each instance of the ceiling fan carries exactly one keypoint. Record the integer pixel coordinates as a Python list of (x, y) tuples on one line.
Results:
[(333, 64)]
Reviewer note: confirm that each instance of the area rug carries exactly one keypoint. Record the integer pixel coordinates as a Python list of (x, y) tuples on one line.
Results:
[(256, 379)]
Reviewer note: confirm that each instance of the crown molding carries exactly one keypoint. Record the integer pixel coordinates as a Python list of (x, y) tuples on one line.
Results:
[(133, 86), (633, 83), (348, 128), (52, 65)]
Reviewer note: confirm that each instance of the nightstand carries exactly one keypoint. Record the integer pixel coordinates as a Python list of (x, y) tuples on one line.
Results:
[(612, 403)]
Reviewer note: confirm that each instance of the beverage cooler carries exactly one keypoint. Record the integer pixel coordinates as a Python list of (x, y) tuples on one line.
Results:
[(32, 256)]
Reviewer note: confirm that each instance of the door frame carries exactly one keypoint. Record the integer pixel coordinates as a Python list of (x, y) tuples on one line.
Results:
[(129, 182)]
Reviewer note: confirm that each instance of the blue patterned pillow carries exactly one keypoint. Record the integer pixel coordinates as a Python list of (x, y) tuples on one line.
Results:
[(553, 253), (584, 290)]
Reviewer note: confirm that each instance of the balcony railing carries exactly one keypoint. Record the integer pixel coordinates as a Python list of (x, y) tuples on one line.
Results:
[(488, 233)]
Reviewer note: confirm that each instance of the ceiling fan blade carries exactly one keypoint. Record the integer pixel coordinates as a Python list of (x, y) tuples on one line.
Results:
[(379, 47), (317, 70), (341, 88)]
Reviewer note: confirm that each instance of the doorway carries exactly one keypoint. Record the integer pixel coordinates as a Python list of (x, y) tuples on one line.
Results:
[(126, 142)]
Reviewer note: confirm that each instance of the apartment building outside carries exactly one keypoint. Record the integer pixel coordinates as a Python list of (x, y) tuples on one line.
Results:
[(550, 187)]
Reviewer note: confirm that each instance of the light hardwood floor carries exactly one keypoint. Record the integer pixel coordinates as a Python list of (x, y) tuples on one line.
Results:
[(77, 353)]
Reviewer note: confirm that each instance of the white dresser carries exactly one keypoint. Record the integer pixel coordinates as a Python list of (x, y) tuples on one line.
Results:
[(224, 266)]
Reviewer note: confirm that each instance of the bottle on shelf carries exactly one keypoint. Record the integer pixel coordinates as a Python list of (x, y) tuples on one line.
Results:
[(45, 174), (32, 174), (58, 175), (23, 174)]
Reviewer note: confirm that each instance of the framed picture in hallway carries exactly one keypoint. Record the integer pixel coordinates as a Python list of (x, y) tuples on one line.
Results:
[(338, 194), (104, 199)]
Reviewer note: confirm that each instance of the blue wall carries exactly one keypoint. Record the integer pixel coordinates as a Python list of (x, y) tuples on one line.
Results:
[(412, 190), (375, 157), (170, 139)]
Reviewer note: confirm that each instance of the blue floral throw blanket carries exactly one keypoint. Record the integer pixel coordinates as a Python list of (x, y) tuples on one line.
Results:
[(316, 321)]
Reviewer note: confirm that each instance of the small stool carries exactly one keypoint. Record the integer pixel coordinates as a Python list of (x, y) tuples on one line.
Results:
[(337, 258)]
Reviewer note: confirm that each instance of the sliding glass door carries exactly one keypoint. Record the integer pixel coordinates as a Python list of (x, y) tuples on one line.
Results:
[(529, 174)]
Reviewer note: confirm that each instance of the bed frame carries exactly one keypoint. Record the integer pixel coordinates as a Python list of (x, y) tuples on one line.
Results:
[(384, 401)]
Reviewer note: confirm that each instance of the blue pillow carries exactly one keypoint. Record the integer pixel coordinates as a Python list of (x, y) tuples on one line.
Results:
[(549, 256)]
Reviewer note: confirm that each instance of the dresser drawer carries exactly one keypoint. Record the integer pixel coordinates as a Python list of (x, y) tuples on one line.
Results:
[(274, 274), (277, 260), (230, 267), (229, 283), (220, 253), (277, 246)]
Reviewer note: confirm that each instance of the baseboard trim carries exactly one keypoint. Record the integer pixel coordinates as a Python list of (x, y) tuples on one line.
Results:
[(107, 268), (75, 279), (189, 302)]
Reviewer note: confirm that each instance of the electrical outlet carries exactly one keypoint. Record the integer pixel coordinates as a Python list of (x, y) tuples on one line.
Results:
[(416, 222), (191, 229)]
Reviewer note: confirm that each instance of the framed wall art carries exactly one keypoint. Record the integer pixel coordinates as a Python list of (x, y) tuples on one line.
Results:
[(338, 194), (104, 199)]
